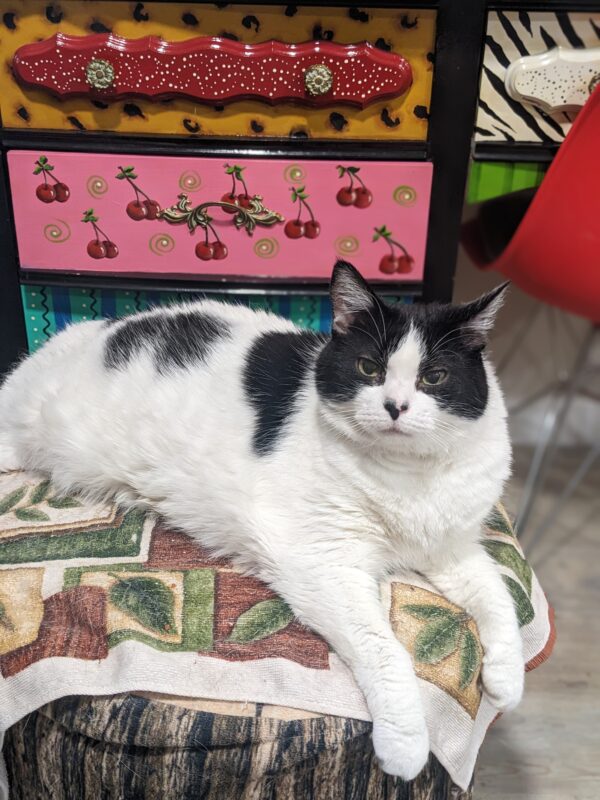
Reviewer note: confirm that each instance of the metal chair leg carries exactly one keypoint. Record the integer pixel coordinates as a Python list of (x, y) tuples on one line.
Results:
[(577, 477), (551, 429)]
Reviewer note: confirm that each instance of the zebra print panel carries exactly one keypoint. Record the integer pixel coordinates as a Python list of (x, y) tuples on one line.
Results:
[(510, 35)]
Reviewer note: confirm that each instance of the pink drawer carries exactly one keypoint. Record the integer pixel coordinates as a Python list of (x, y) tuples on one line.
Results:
[(169, 217)]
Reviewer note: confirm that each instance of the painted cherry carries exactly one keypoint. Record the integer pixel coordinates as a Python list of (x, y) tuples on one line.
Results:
[(45, 191), (112, 251), (230, 198), (219, 250), (364, 197), (405, 263), (96, 249), (138, 209), (244, 200), (360, 197), (204, 251), (100, 246), (152, 209), (312, 229), (391, 262), (346, 196), (296, 228), (388, 264)]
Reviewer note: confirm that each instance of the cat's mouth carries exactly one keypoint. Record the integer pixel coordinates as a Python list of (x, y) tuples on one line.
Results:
[(397, 431)]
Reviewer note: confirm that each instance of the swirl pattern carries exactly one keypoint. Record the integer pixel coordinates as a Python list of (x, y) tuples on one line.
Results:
[(57, 232), (266, 248), (345, 245), (161, 243), (405, 195), (190, 181), (96, 186), (294, 173)]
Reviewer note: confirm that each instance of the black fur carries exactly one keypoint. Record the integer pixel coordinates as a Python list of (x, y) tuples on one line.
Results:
[(175, 340), (276, 367)]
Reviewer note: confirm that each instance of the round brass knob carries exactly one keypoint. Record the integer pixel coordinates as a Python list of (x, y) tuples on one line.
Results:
[(318, 80), (99, 74)]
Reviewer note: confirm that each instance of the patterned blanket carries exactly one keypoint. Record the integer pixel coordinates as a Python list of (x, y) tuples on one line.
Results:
[(94, 600)]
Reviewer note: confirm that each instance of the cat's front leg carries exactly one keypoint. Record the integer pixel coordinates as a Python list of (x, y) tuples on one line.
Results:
[(343, 605), (472, 580)]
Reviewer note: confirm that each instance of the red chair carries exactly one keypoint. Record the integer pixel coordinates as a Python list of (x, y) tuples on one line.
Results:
[(548, 243)]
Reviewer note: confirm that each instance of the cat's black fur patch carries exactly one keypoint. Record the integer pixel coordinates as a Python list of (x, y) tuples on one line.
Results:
[(175, 340), (276, 367), (373, 335)]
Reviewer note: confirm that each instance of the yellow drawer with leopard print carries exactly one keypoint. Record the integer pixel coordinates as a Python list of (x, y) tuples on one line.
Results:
[(217, 70)]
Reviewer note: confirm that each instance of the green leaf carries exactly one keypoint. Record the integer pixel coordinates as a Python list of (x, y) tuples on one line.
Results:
[(496, 521), (121, 176), (437, 640), (31, 515), (39, 493), (63, 502), (381, 232), (229, 170), (37, 170), (147, 600), (428, 613), (353, 170), (524, 609), (507, 555), (48, 168), (341, 171), (470, 659), (10, 500), (43, 160), (261, 620)]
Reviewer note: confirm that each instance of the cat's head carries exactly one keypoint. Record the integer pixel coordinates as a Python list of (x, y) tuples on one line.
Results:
[(406, 377)]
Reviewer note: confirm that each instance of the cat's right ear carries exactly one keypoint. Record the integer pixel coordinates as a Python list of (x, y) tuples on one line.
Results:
[(350, 294)]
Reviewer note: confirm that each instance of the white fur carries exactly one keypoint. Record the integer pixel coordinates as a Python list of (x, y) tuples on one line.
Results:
[(343, 498)]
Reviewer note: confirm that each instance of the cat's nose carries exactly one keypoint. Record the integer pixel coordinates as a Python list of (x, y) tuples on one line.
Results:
[(393, 409)]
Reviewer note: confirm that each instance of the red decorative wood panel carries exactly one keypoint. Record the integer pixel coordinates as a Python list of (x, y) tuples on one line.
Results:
[(212, 70)]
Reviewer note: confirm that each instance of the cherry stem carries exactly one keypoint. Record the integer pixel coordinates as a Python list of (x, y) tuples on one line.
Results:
[(401, 246), (233, 186), (351, 181), (308, 208), (98, 230), (136, 188), (215, 234), (391, 243), (243, 182), (360, 181)]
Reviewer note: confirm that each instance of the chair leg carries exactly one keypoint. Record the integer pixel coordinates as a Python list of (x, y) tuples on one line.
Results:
[(552, 426), (551, 517)]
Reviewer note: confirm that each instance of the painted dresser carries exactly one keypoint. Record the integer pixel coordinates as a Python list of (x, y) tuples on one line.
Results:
[(158, 151)]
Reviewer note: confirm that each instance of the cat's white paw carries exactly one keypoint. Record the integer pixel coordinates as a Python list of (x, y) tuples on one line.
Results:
[(401, 749), (503, 675)]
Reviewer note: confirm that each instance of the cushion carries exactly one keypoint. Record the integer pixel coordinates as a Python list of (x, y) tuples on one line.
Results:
[(97, 601)]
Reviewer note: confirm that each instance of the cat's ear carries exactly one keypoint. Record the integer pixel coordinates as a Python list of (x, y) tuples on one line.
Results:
[(477, 318), (350, 294)]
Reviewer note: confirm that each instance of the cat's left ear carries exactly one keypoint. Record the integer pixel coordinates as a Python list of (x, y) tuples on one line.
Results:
[(477, 318), (351, 296)]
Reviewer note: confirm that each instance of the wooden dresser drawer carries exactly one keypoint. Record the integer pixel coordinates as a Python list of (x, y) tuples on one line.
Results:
[(510, 36), (255, 219), (157, 105)]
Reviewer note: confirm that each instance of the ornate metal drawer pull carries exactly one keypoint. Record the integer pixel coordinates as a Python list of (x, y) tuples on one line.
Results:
[(212, 70)]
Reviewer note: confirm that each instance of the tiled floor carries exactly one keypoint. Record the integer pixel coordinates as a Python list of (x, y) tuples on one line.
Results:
[(549, 748)]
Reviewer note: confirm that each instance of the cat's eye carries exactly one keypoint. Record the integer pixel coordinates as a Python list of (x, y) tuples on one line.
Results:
[(434, 377), (368, 368)]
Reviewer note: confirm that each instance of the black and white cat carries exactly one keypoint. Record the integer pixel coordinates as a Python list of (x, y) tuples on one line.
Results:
[(319, 463)]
